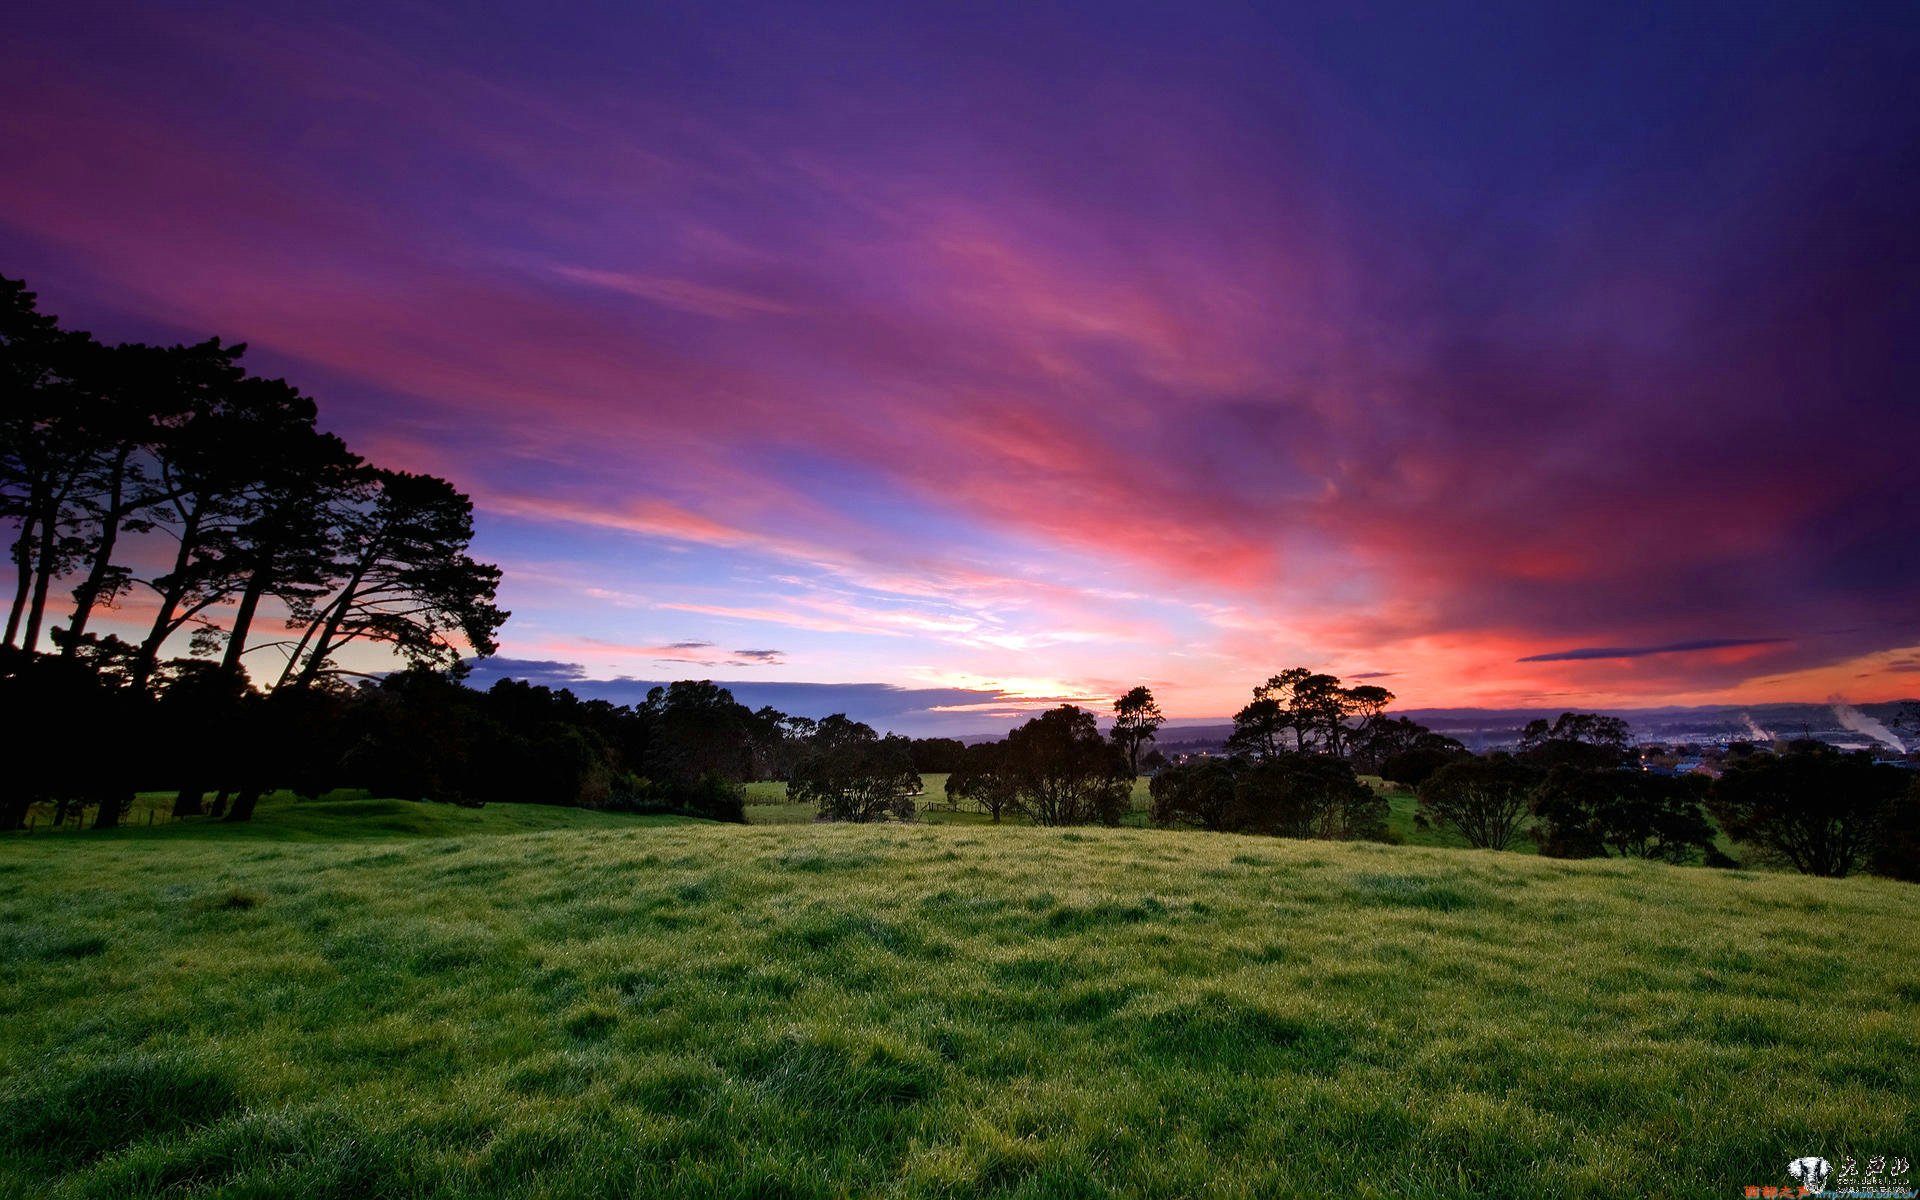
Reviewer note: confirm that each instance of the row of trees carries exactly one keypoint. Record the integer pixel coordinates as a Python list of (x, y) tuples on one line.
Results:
[(1816, 809), (169, 482)]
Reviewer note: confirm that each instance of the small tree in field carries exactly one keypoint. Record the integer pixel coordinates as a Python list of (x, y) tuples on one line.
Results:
[(1136, 719), (1587, 814), (854, 774), (1199, 793), (1587, 740), (1065, 773), (1822, 811), (1308, 796), (1483, 799), (981, 779)]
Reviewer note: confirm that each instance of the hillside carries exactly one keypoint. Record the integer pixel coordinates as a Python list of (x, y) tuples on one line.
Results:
[(378, 998)]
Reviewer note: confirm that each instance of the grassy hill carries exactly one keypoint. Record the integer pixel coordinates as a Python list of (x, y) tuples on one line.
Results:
[(362, 998)]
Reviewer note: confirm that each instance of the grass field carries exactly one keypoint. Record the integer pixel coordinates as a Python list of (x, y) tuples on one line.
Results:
[(363, 998), (767, 805)]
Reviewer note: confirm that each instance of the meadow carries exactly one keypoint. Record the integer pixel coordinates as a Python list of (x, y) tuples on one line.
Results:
[(767, 804), (383, 998)]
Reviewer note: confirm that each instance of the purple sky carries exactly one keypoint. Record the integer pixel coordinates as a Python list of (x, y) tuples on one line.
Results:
[(1517, 355)]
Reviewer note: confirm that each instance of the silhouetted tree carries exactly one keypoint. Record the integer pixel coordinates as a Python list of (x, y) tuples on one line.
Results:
[(1483, 799), (1199, 793), (1136, 719), (1823, 811), (1586, 814), (1412, 766), (1064, 772), (695, 728), (217, 430), (981, 778), (1587, 740), (853, 774), (403, 578), (937, 755), (1307, 796), (46, 444), (1315, 708)]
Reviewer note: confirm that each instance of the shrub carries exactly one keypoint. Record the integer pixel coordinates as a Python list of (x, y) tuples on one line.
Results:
[(1064, 773), (1589, 814), (1820, 810), (853, 774), (1198, 793), (1307, 796), (1483, 799)]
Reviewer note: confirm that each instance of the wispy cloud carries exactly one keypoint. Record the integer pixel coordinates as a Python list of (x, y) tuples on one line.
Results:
[(1598, 652)]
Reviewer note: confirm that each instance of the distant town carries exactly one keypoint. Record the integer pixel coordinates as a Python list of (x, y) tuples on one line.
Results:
[(1671, 741)]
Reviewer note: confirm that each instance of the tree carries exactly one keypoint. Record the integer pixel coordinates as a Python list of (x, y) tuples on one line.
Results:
[(1484, 799), (1822, 811), (981, 778), (47, 444), (1896, 851), (1064, 772), (1381, 737), (937, 755), (1307, 796), (1258, 728), (1587, 740), (853, 774), (693, 729), (283, 545), (1136, 719), (1586, 814), (213, 433), (1411, 767), (1314, 707), (1199, 793), (403, 578)]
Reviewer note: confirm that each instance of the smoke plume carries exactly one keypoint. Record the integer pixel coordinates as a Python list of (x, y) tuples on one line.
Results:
[(1860, 722)]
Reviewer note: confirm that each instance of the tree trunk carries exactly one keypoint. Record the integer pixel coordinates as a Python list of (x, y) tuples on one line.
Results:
[(23, 577), (163, 624), (13, 811), (111, 806), (219, 805), (243, 804), (243, 621), (191, 802), (43, 575), (88, 593)]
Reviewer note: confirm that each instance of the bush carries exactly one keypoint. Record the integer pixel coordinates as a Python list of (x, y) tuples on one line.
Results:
[(1307, 796), (1483, 799), (1196, 793), (1589, 814), (1411, 768), (1822, 811), (853, 774)]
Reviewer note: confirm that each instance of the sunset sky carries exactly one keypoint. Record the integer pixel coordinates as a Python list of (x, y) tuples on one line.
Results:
[(1508, 355)]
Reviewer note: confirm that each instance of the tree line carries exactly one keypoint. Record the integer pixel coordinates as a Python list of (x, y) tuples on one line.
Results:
[(170, 482), (1573, 785), (203, 502)]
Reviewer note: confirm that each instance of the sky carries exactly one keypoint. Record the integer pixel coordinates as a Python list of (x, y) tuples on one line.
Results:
[(940, 363)]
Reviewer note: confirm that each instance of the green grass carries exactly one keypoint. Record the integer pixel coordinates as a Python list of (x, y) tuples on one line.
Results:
[(364, 998), (767, 804)]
